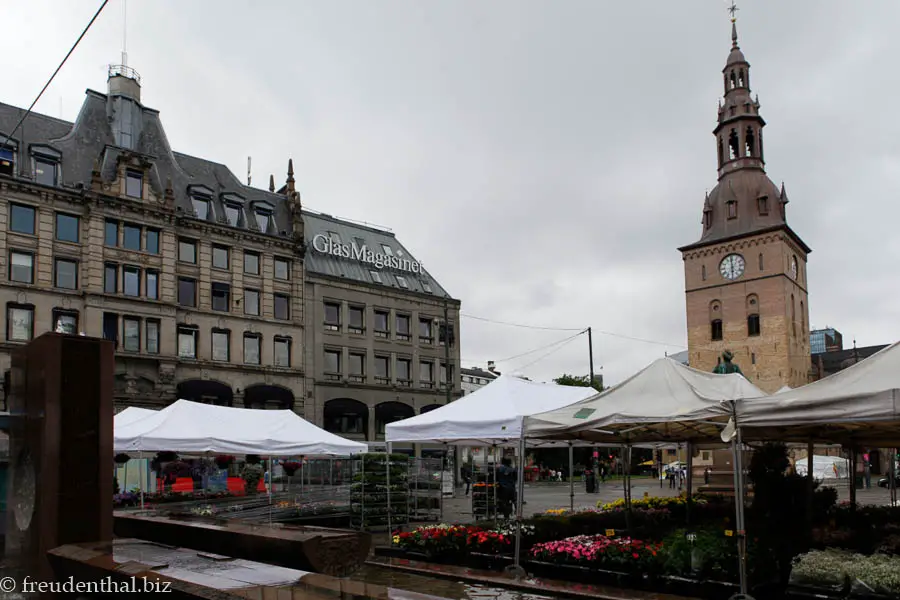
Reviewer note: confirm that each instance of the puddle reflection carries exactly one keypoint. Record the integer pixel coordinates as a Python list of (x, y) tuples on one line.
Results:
[(454, 590)]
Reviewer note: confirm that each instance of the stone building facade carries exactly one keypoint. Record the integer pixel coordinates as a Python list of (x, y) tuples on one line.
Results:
[(106, 231), (745, 278), (212, 290), (380, 331)]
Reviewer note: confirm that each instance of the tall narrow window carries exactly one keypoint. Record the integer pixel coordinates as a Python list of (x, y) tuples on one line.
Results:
[(111, 327), (131, 281), (721, 152), (111, 233), (753, 325), (749, 142), (282, 307), (187, 342), (733, 145), (793, 316), (134, 184), (152, 338), (45, 171), (251, 263), (131, 334), (111, 278), (21, 267), (703, 272), (221, 342), (252, 344), (251, 302), (152, 241), (802, 318), (282, 352), (263, 219), (762, 264), (201, 207), (232, 214), (151, 287), (221, 297), (65, 274), (716, 329)]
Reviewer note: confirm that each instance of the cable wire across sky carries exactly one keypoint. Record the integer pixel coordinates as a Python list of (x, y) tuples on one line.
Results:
[(579, 329)]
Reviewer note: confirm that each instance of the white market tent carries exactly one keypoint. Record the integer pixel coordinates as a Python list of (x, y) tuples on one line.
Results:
[(130, 415), (824, 467), (491, 415), (859, 404), (195, 428), (664, 402)]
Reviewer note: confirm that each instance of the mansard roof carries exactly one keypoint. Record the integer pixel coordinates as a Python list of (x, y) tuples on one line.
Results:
[(91, 138)]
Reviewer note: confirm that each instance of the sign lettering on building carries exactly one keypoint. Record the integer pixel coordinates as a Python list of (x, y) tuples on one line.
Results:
[(324, 244)]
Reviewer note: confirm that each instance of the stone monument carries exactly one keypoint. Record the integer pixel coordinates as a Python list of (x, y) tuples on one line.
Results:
[(61, 446)]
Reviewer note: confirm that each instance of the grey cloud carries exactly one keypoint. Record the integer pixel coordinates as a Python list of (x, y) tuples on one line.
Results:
[(544, 160)]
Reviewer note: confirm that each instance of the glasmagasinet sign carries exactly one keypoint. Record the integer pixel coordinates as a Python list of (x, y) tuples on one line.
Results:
[(324, 244)]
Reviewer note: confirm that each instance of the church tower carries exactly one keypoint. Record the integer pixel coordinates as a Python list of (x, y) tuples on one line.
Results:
[(745, 278)]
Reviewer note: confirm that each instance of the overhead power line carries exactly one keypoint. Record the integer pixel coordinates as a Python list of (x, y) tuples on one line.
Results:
[(520, 325), (543, 356), (52, 77), (597, 331), (538, 349)]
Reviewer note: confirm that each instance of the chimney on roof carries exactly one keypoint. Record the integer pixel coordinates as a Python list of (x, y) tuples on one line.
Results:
[(491, 366), (272, 183)]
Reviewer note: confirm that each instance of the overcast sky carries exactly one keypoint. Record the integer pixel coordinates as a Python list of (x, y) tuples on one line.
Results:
[(543, 159)]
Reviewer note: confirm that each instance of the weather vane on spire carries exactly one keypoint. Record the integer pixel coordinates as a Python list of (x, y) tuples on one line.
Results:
[(733, 10)]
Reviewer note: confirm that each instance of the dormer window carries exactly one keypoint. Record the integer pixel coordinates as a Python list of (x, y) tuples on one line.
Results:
[(233, 214), (263, 218), (201, 207), (731, 206), (707, 219), (763, 204), (45, 171), (7, 160), (262, 212), (134, 184)]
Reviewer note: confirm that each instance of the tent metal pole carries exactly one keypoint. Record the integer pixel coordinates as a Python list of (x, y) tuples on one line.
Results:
[(738, 450), (141, 466), (521, 497), (689, 480), (495, 486), (387, 479), (892, 477), (571, 477)]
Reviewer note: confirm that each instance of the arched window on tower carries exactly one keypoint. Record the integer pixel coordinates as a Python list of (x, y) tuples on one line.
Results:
[(741, 78), (725, 79), (793, 317), (760, 144), (802, 319), (733, 145), (716, 330), (761, 264), (749, 143), (732, 80), (721, 153), (703, 272), (753, 324)]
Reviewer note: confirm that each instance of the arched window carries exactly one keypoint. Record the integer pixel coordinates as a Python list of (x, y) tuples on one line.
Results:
[(749, 143), (753, 324), (703, 272), (733, 145), (802, 319), (716, 329), (793, 317), (761, 263), (733, 80), (721, 152), (741, 81)]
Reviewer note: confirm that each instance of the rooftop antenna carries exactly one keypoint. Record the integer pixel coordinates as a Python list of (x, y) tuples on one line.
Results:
[(248, 171), (124, 33)]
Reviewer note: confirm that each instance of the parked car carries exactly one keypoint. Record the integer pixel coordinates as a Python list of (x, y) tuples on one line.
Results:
[(886, 481)]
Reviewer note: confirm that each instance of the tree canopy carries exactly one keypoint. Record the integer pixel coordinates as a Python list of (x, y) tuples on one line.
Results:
[(580, 381)]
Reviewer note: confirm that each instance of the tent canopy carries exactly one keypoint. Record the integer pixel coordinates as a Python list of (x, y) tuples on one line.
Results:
[(490, 415), (664, 402), (196, 428), (860, 403), (131, 414)]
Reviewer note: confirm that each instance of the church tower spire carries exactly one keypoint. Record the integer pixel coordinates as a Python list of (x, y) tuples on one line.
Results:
[(739, 128)]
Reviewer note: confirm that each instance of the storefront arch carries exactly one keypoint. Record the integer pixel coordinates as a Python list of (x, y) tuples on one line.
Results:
[(347, 417), (389, 412), (206, 391), (271, 397)]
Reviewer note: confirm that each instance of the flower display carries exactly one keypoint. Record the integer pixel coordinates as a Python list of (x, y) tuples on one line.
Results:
[(444, 539), (600, 551), (667, 502)]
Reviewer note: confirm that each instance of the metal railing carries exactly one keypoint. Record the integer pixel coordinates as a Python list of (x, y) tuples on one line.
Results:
[(124, 71)]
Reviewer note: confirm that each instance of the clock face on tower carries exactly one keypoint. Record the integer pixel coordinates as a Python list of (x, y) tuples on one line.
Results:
[(732, 266)]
